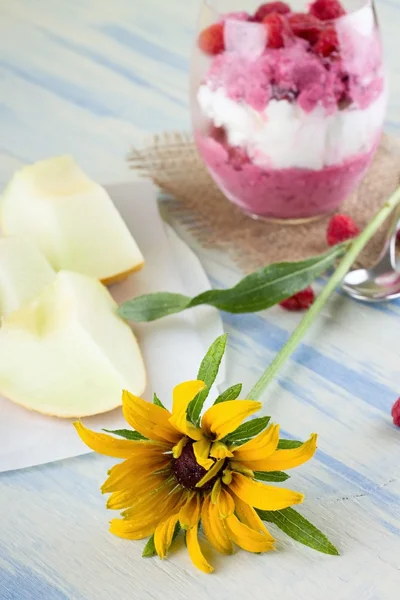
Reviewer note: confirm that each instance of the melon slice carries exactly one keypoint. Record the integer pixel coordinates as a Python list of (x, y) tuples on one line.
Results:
[(67, 353), (71, 219), (24, 273)]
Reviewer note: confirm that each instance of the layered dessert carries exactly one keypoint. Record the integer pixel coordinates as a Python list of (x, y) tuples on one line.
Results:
[(289, 112)]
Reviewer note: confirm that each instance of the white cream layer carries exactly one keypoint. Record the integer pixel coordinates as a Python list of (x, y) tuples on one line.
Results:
[(285, 136)]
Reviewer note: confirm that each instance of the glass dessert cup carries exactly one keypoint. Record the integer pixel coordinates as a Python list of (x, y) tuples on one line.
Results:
[(288, 102)]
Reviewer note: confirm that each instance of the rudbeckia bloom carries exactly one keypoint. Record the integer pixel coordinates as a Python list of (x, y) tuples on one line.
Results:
[(179, 474)]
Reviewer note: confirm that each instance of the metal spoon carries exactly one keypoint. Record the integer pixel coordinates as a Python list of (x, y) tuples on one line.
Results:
[(382, 281)]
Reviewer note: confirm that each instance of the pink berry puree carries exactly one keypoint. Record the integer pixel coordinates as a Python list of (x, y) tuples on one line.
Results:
[(291, 193), (289, 113)]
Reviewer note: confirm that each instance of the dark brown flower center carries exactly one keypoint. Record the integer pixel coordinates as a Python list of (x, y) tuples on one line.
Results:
[(188, 472)]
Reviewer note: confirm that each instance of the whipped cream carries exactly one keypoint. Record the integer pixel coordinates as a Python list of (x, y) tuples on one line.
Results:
[(283, 135)]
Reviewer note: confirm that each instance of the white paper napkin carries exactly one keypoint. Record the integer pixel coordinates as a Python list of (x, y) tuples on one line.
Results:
[(172, 347)]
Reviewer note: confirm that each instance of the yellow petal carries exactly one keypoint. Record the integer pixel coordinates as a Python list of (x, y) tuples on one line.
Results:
[(177, 450), (189, 514), (146, 518), (214, 528), (150, 420), (259, 495), (193, 432), (132, 470), (249, 517), (137, 490), (263, 445), (220, 450), (145, 453), (217, 487), (163, 502), (247, 538), (225, 504), (239, 468), (195, 552), (181, 424), (142, 520), (201, 451), (225, 417), (281, 460), (163, 535), (108, 445), (184, 393), (125, 529), (227, 476), (217, 466)]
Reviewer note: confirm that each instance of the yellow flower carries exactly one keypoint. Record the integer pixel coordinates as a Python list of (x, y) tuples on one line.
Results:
[(183, 475)]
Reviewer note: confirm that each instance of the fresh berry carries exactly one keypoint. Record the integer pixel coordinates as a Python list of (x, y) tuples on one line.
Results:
[(211, 40), (305, 26), (344, 102), (300, 301), (340, 229), (275, 26), (218, 134), (344, 98), (327, 42), (271, 7), (396, 413), (281, 93), (238, 158), (327, 9)]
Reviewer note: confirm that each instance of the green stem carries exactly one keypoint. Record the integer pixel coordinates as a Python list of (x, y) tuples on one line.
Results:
[(344, 266)]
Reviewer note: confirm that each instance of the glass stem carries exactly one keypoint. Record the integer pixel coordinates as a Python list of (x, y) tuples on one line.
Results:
[(344, 266)]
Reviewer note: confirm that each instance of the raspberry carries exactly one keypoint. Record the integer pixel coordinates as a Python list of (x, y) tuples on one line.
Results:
[(238, 158), (340, 229), (305, 26), (396, 412), (327, 42), (218, 134), (280, 93), (344, 98), (211, 40), (300, 301), (271, 7), (275, 25), (327, 9)]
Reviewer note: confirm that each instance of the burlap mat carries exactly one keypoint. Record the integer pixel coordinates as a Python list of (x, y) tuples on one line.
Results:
[(172, 162)]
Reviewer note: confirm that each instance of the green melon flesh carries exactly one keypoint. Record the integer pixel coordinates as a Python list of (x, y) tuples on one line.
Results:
[(67, 353), (71, 219), (24, 273)]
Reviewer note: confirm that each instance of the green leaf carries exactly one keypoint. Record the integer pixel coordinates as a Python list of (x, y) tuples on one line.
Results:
[(128, 434), (157, 401), (149, 549), (289, 444), (253, 293), (230, 394), (150, 307), (246, 431), (271, 476), (297, 527), (208, 372)]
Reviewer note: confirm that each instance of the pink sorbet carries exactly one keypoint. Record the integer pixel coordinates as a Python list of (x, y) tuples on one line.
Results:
[(293, 193)]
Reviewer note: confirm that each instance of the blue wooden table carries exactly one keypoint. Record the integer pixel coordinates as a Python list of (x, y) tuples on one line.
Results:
[(89, 78)]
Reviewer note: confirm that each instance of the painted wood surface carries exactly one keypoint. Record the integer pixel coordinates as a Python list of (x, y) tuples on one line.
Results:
[(89, 78)]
